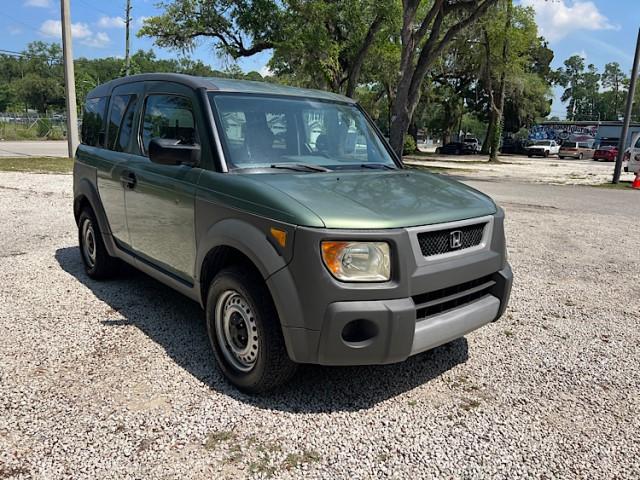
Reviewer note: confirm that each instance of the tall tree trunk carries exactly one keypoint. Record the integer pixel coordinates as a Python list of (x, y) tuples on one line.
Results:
[(497, 104), (487, 136), (356, 67), (413, 70)]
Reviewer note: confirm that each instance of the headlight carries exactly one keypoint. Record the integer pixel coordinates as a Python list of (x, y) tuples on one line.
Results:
[(358, 261)]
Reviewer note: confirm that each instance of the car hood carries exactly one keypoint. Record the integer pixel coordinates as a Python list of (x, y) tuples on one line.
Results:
[(381, 199)]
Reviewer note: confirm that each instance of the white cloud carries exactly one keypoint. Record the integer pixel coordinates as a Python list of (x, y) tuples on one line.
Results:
[(557, 19), (99, 40), (53, 29), (266, 71), (13, 30), (110, 22), (79, 31), (37, 3)]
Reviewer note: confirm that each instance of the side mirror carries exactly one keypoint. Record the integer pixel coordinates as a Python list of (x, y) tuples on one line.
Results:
[(169, 151)]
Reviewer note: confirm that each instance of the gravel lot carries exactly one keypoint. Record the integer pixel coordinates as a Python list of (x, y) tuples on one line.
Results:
[(518, 168), (116, 379)]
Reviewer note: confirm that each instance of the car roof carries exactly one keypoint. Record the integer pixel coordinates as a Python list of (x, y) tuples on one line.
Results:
[(220, 85)]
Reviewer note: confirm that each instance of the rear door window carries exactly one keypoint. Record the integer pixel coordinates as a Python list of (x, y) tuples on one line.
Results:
[(170, 117), (93, 122), (121, 122)]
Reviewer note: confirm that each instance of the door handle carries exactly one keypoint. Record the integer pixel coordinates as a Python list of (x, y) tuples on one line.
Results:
[(128, 180)]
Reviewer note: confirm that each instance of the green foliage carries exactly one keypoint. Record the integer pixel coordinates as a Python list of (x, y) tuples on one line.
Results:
[(35, 79), (409, 146), (315, 43), (592, 95)]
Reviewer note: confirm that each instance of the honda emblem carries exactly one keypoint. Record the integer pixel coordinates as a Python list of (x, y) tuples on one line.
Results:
[(455, 239)]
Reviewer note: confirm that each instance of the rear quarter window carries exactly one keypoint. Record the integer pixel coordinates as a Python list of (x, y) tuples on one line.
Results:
[(93, 122)]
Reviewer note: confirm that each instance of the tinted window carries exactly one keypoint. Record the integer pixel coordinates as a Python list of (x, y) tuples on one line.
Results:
[(637, 143), (168, 116), (121, 122), (93, 121)]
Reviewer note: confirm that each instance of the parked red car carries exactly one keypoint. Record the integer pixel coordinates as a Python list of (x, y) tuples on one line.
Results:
[(608, 154)]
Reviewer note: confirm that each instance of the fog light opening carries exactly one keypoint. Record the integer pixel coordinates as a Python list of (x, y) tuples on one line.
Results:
[(359, 333)]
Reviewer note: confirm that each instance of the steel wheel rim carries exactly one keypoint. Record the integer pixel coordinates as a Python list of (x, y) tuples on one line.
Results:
[(236, 330), (89, 243)]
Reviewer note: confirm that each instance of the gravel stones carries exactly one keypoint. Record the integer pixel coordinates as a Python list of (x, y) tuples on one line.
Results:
[(116, 379)]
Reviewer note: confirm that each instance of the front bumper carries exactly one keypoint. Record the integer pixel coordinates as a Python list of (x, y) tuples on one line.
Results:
[(333, 323)]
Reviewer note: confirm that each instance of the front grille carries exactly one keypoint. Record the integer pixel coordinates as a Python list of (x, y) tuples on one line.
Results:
[(440, 241), (438, 301)]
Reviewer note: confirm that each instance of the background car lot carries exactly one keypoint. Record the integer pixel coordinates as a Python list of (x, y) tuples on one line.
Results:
[(116, 380)]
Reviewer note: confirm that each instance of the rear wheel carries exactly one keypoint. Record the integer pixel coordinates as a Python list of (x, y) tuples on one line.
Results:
[(244, 330), (98, 263), (561, 157), (580, 156)]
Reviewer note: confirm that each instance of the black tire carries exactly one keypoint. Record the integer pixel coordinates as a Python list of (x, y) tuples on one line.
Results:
[(546, 154), (98, 264), (561, 157), (529, 155), (580, 156), (271, 366)]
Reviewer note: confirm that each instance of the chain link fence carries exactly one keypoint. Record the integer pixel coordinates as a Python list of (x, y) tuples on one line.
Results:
[(31, 126)]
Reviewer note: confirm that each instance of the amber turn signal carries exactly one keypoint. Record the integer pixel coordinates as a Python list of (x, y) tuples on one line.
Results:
[(279, 235)]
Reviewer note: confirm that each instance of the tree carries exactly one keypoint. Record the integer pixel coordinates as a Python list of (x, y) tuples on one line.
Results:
[(316, 43), (497, 93), (427, 29), (614, 80)]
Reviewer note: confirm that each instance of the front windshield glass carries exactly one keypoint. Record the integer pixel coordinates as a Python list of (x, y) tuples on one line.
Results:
[(260, 132), (543, 142)]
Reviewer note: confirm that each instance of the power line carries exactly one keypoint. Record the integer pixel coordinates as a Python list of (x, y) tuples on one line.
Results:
[(31, 27)]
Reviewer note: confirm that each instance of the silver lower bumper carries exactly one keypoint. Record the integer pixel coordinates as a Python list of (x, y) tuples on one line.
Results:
[(439, 329)]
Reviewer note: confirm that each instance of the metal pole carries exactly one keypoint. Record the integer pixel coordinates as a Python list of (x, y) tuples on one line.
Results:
[(127, 58), (69, 79), (627, 115)]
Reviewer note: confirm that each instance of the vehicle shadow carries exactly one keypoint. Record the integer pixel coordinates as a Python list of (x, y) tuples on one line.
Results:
[(177, 324)]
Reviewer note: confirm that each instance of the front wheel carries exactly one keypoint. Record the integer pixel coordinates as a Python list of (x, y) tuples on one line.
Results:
[(580, 156), (244, 331)]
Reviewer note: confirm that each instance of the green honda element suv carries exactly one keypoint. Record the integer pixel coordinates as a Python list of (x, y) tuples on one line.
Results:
[(287, 216)]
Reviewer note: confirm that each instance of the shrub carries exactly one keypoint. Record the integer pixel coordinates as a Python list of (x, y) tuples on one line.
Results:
[(409, 145)]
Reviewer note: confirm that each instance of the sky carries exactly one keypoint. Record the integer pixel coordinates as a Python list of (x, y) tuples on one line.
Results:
[(602, 31)]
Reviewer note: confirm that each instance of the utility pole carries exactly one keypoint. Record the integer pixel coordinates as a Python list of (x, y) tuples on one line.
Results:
[(69, 78), (127, 58), (627, 115)]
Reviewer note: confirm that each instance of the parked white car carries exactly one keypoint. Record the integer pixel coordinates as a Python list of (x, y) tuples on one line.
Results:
[(633, 165), (543, 148)]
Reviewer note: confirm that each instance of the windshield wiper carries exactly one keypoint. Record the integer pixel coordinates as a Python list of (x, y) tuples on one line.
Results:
[(300, 167), (382, 166)]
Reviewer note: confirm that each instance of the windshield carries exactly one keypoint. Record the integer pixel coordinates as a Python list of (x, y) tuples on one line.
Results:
[(259, 132), (543, 142)]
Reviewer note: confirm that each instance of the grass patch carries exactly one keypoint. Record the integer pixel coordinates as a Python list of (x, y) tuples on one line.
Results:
[(294, 459), (470, 404), (36, 164), (215, 438), (614, 186)]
